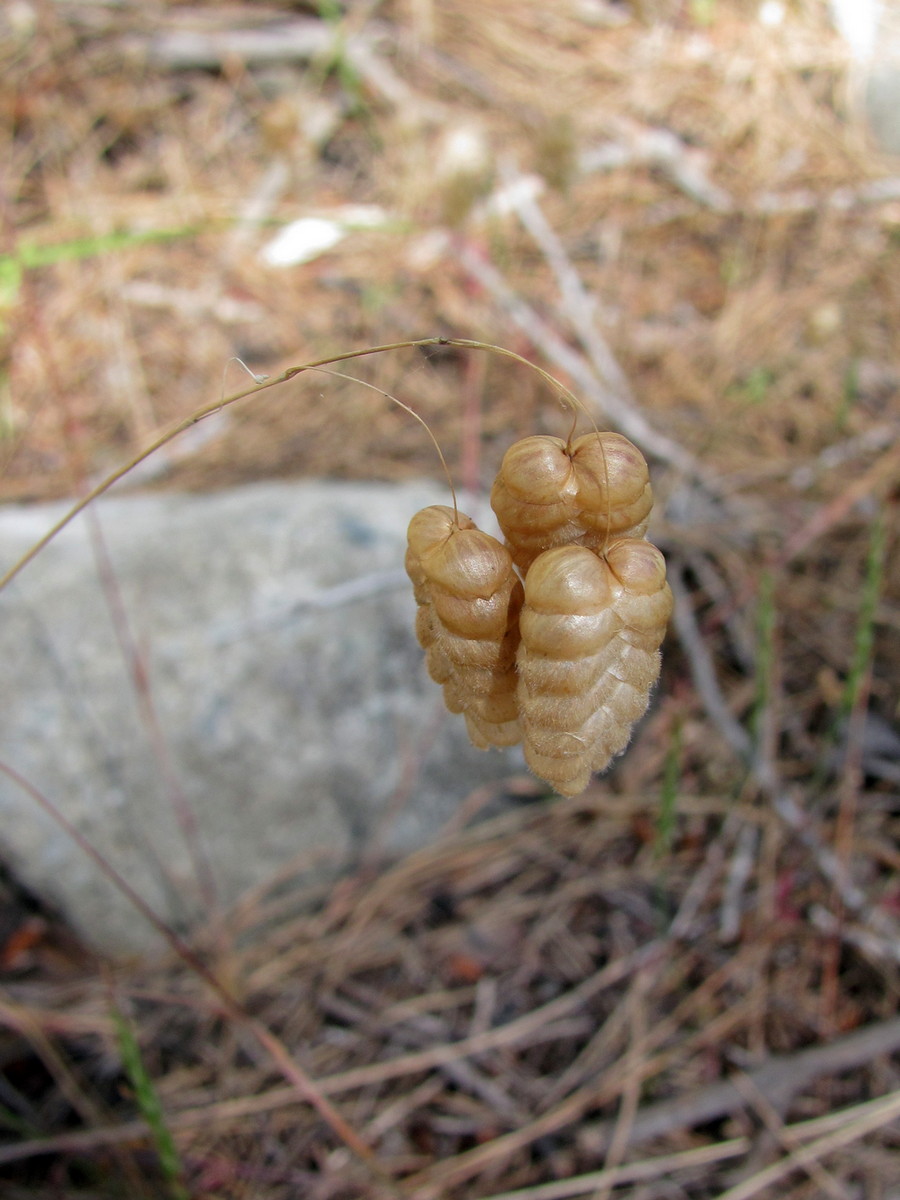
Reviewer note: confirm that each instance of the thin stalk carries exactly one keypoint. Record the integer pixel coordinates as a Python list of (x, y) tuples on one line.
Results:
[(766, 619), (668, 800), (412, 413), (850, 728), (207, 410), (856, 685), (865, 625)]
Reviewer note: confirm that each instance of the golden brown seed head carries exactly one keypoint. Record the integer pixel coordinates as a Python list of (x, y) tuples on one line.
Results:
[(456, 555), (468, 620), (643, 600), (549, 494), (589, 655), (637, 565), (538, 470), (566, 666), (568, 579), (614, 493)]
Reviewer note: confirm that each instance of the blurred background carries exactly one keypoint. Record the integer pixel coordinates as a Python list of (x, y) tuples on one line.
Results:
[(706, 166)]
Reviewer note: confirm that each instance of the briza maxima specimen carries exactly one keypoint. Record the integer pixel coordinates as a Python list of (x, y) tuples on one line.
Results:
[(566, 667), (469, 598)]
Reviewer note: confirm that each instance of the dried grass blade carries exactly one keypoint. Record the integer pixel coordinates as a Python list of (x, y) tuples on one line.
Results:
[(875, 1118)]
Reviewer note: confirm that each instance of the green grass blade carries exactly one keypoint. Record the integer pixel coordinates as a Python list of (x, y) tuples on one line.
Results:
[(28, 255), (864, 640), (150, 1107), (849, 396)]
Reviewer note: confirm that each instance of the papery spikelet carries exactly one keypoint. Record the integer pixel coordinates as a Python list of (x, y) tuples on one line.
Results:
[(591, 628), (467, 622), (549, 493)]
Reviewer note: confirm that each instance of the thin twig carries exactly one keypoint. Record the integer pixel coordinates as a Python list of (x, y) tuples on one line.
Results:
[(631, 1088), (764, 771), (703, 670), (686, 166), (779, 1079), (879, 949), (648, 1168), (739, 872), (591, 388), (888, 1110), (770, 1117)]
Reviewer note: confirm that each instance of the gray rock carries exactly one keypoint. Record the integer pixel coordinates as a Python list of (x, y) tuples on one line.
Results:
[(882, 102), (871, 29), (292, 716)]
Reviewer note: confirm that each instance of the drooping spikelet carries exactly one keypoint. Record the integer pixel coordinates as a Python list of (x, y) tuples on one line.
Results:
[(467, 621), (591, 628), (549, 493), (567, 667)]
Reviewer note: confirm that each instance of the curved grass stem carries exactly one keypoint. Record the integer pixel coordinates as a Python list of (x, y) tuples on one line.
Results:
[(208, 409)]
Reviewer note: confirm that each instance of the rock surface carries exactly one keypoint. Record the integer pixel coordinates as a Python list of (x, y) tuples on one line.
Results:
[(871, 29), (286, 710)]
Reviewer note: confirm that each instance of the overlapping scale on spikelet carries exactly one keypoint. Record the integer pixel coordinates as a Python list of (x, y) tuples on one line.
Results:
[(467, 621), (591, 627), (550, 493)]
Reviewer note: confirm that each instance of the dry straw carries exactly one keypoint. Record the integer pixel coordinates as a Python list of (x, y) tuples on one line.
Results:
[(576, 998)]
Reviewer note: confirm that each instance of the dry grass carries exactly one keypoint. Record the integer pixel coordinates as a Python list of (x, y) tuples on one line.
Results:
[(659, 987), (544, 996), (741, 330)]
